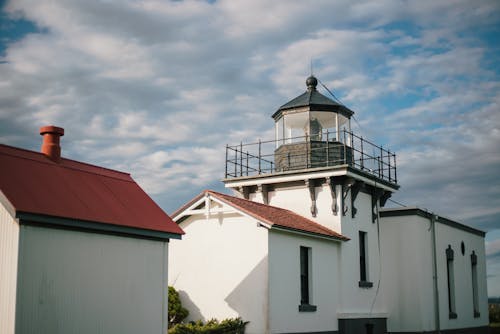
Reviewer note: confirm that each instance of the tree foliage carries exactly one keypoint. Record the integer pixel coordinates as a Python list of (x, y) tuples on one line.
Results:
[(227, 326), (494, 313), (176, 313)]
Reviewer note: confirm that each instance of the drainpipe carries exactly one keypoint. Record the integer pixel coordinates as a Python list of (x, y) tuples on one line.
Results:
[(434, 273)]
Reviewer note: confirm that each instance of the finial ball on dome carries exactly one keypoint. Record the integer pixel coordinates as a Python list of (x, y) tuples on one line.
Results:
[(311, 82)]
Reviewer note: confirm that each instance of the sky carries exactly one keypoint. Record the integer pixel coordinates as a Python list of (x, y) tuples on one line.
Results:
[(158, 88)]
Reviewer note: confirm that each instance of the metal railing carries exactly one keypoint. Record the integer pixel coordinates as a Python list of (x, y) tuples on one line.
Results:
[(306, 152)]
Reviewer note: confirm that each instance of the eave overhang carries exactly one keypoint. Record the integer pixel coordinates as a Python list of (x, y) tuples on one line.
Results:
[(28, 218), (313, 101), (276, 227)]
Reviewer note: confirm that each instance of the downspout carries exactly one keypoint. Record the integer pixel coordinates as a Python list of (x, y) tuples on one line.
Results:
[(434, 274)]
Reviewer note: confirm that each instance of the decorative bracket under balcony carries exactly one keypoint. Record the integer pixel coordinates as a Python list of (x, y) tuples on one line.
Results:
[(377, 194), (312, 193), (265, 193), (384, 198), (355, 188), (333, 182), (245, 191)]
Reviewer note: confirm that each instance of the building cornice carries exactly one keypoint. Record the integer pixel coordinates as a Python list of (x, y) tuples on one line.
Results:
[(399, 212)]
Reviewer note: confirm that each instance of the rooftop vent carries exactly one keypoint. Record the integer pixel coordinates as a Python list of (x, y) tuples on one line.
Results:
[(50, 146)]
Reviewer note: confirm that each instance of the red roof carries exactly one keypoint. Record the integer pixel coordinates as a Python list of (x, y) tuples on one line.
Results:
[(70, 189), (270, 215)]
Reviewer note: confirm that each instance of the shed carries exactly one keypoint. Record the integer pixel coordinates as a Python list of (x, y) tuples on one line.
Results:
[(83, 249)]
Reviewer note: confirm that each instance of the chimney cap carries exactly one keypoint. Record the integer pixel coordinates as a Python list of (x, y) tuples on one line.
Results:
[(52, 129)]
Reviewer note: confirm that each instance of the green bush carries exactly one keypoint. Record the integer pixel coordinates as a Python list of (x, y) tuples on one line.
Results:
[(494, 313), (227, 326), (176, 313)]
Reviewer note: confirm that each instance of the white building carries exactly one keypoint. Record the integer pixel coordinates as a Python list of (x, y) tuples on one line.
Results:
[(304, 246), (83, 249)]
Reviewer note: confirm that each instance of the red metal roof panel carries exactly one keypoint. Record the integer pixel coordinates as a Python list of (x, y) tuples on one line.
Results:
[(75, 190)]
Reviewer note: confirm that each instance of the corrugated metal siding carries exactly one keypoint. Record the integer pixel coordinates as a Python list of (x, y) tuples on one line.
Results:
[(9, 240), (77, 282)]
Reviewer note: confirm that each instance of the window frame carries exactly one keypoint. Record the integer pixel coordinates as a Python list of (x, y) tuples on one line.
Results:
[(363, 260), (450, 274), (475, 286), (305, 257)]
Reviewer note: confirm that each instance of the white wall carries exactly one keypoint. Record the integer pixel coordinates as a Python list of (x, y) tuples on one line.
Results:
[(357, 302), (354, 302), (220, 268), (78, 282), (445, 236), (9, 238), (284, 284), (408, 274)]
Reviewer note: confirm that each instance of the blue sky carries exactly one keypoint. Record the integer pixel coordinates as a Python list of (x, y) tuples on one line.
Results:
[(159, 88)]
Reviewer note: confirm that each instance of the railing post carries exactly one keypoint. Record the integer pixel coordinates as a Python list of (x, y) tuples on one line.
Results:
[(247, 164), (361, 157), (241, 158), (225, 173), (327, 149), (307, 150), (395, 169), (389, 168), (345, 149), (259, 156), (381, 164)]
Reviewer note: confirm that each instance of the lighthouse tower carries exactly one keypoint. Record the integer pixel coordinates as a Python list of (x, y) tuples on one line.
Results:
[(315, 166)]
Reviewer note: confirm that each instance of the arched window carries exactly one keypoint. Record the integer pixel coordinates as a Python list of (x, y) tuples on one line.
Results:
[(451, 283), (475, 297)]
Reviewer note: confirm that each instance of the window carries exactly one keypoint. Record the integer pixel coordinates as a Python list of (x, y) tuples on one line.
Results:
[(305, 280), (363, 261), (451, 283), (475, 297)]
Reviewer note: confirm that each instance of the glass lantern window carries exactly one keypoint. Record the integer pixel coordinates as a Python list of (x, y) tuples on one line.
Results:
[(280, 131), (296, 127)]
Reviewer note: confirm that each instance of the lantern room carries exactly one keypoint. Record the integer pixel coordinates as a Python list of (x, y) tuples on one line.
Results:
[(311, 131), (311, 117)]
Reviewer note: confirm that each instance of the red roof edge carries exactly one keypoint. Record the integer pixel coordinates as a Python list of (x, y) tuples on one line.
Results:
[(316, 229)]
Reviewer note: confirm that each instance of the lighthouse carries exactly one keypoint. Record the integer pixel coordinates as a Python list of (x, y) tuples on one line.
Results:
[(315, 158), (305, 243)]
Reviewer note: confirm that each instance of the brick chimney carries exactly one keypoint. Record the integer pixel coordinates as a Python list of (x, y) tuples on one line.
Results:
[(50, 146)]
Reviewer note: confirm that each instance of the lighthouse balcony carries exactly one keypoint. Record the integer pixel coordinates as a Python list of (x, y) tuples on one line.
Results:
[(324, 150)]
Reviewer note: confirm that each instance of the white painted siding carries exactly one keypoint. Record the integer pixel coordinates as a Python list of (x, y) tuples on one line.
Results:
[(284, 284), (220, 269), (77, 282), (9, 239), (446, 235), (357, 302), (408, 274)]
